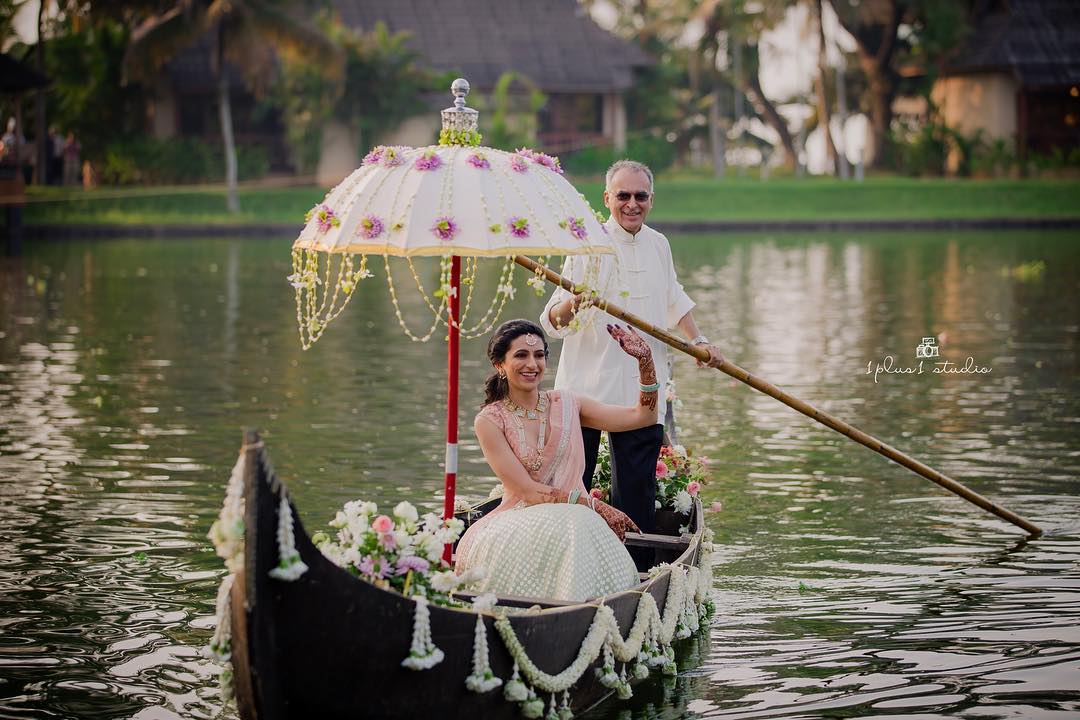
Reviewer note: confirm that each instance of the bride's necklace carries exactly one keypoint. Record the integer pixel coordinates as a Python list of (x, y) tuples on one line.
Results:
[(537, 460)]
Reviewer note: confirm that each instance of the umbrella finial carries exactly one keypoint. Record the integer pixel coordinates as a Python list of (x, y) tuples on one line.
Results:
[(459, 123)]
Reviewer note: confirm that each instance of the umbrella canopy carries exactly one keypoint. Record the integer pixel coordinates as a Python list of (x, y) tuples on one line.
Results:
[(454, 199)]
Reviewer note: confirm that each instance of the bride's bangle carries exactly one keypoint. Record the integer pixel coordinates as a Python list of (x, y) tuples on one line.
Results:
[(572, 500), (650, 388)]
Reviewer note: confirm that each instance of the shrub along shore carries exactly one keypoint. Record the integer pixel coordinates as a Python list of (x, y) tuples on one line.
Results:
[(680, 200)]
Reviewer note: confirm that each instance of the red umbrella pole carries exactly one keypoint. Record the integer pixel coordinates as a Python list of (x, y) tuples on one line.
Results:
[(452, 394)]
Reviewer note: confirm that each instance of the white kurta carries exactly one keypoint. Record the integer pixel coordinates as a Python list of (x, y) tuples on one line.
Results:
[(644, 283)]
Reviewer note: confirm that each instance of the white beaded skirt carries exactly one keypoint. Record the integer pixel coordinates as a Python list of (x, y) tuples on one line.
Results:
[(551, 550)]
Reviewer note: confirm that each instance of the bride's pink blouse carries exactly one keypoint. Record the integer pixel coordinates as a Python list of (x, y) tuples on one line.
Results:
[(563, 456)]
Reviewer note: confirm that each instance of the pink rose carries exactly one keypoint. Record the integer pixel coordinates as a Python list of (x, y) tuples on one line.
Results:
[(692, 487), (597, 493), (661, 469), (717, 506), (382, 524)]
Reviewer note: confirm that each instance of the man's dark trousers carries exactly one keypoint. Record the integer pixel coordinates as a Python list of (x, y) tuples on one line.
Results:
[(633, 475)]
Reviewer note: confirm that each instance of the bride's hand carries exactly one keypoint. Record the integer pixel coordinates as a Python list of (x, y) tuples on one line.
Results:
[(632, 344), (617, 520)]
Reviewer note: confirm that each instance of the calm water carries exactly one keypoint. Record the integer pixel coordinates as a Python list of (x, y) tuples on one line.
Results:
[(847, 587)]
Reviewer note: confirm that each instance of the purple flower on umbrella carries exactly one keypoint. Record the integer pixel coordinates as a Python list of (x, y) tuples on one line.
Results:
[(518, 163), (371, 227), (428, 161), (526, 153), (518, 227), (445, 228), (412, 562), (479, 161), (577, 227), (551, 163), (324, 217), (374, 156), (391, 156)]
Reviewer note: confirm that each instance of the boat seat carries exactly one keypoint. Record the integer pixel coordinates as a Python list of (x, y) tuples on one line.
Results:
[(677, 543)]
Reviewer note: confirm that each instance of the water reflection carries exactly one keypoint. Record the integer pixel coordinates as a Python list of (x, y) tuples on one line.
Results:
[(846, 586)]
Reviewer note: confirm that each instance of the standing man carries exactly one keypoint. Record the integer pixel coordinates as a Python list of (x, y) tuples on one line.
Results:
[(644, 283)]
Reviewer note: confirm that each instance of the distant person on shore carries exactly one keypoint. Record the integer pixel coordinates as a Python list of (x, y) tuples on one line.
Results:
[(593, 365), (72, 149), (54, 151)]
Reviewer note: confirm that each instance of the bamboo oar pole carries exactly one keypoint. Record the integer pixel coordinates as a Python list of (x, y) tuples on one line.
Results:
[(795, 403)]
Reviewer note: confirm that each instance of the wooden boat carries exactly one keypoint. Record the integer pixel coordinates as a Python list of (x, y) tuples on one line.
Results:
[(330, 645)]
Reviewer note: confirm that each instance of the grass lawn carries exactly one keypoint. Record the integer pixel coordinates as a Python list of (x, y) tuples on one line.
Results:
[(678, 198)]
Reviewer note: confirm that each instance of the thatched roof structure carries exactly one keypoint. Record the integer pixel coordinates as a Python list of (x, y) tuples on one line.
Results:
[(1038, 41), (16, 77), (554, 43)]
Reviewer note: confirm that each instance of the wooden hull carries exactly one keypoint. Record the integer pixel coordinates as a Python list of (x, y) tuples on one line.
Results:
[(330, 645)]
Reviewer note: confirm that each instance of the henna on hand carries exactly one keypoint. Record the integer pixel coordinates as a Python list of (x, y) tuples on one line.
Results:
[(635, 346), (616, 519)]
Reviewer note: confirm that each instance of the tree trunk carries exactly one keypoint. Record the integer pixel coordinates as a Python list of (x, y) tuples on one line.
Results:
[(40, 126), (842, 114), (824, 117), (875, 47), (717, 136), (880, 91), (764, 107), (232, 201)]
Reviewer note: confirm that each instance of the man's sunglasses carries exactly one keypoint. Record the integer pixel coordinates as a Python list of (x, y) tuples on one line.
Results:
[(623, 196)]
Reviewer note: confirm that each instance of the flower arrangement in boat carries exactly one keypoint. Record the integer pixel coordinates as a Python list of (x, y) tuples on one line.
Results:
[(402, 552), (679, 476)]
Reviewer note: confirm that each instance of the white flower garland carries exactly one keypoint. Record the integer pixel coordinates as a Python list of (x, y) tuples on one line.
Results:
[(648, 644), (290, 566), (482, 679), (423, 654), (227, 532), (221, 643)]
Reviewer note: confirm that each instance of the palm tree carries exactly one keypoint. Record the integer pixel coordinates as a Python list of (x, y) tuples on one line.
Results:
[(244, 33)]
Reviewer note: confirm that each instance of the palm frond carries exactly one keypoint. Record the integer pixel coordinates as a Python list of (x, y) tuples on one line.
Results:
[(293, 35), (159, 38)]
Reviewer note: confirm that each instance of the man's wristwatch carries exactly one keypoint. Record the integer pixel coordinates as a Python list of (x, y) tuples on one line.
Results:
[(700, 340)]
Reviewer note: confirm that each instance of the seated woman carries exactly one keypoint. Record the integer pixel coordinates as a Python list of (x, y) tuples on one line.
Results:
[(549, 538)]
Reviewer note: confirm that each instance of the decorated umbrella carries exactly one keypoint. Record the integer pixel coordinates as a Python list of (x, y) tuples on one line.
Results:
[(453, 200)]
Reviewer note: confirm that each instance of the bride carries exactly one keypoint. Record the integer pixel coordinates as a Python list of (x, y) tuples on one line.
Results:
[(548, 538)]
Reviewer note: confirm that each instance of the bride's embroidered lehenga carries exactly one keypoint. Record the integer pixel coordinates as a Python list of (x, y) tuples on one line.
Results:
[(550, 550)]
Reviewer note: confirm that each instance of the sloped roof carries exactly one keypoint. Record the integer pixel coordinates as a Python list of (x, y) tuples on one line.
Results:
[(554, 43), (1037, 40), (16, 76)]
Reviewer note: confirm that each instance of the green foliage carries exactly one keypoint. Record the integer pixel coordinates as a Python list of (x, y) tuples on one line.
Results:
[(88, 97), (656, 152), (150, 161), (511, 117), (380, 85)]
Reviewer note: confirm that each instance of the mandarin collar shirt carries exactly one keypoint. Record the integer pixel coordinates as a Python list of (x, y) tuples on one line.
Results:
[(639, 278)]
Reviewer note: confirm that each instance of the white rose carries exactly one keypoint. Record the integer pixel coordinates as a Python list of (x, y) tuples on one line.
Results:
[(406, 511), (444, 582)]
